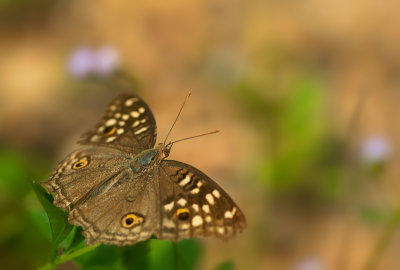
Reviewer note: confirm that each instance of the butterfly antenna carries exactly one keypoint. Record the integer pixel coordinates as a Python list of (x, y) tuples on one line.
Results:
[(179, 113), (204, 134)]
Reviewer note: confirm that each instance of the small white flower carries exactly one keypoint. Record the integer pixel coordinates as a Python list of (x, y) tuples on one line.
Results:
[(107, 61), (81, 61), (312, 263), (375, 149)]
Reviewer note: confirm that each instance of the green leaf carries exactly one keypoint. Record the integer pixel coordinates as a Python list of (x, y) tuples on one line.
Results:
[(225, 266), (67, 256), (136, 256), (182, 255), (189, 252), (39, 217), (78, 241), (103, 257), (60, 228), (161, 256)]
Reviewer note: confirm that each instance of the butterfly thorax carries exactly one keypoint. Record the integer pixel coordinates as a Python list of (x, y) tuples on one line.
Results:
[(150, 157)]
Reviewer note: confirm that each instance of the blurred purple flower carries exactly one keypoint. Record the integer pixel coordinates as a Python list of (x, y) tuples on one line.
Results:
[(312, 263), (107, 61), (86, 60), (375, 149), (81, 62)]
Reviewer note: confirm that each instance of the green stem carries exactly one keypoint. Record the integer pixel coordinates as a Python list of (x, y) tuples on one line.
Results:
[(68, 256), (383, 241), (176, 256)]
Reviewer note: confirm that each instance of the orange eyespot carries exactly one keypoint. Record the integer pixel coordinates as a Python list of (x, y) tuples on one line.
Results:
[(109, 130), (83, 162), (182, 214), (130, 220)]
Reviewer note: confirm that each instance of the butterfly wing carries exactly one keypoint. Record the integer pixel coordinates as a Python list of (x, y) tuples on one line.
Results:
[(128, 125), (193, 205), (124, 215), (105, 197), (82, 172)]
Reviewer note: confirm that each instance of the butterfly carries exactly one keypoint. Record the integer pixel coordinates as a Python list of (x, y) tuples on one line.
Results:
[(121, 189)]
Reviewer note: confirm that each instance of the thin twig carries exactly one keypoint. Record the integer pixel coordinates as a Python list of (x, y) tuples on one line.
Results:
[(384, 240), (344, 253)]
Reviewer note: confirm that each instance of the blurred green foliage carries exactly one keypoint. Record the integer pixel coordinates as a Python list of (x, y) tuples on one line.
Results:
[(20, 12), (20, 212), (301, 157)]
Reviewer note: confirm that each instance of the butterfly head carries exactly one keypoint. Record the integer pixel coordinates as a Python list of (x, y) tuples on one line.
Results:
[(163, 150)]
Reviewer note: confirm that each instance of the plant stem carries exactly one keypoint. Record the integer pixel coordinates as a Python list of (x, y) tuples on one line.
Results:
[(383, 241), (68, 256), (176, 256)]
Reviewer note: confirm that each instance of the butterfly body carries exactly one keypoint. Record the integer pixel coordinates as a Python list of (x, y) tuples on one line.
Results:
[(121, 189)]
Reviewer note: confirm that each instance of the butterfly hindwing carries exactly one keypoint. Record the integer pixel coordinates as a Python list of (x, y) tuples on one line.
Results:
[(193, 205), (126, 214), (128, 125)]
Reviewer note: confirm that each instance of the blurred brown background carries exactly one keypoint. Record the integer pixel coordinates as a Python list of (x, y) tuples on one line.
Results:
[(298, 88)]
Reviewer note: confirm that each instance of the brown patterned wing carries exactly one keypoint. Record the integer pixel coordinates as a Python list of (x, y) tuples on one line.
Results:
[(105, 197), (128, 125), (81, 173), (124, 215), (193, 205)]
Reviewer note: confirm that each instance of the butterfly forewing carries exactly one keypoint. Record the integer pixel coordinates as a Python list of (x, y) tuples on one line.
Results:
[(128, 125), (83, 173), (195, 206)]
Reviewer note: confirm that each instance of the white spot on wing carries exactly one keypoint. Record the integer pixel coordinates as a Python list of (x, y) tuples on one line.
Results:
[(169, 206), (184, 226), (120, 131), (216, 193), (208, 219), (113, 107), (185, 180), (181, 202), (136, 123), (196, 207), (111, 122), (130, 101), (135, 114), (210, 198), (125, 117), (197, 221), (228, 214), (168, 222), (141, 110), (206, 208), (195, 191), (111, 139), (220, 230), (95, 138), (117, 115), (143, 129), (121, 123)]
